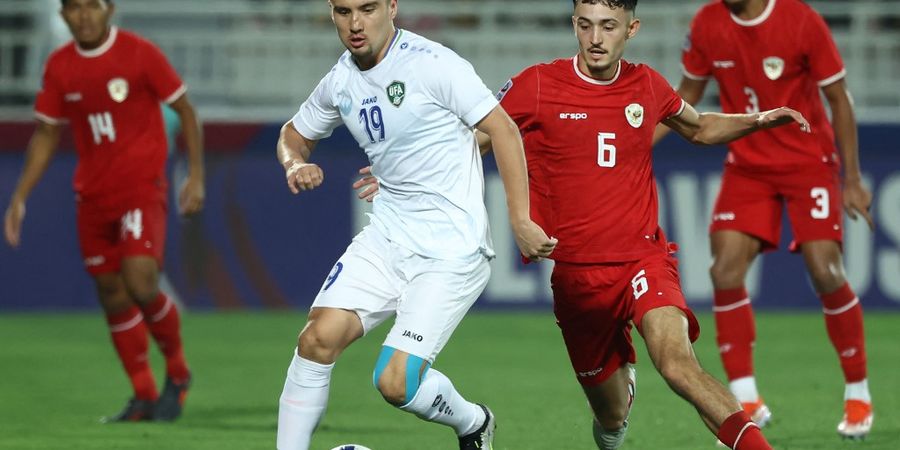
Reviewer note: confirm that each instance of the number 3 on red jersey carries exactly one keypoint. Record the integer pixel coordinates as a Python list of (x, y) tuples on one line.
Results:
[(606, 153), (102, 125)]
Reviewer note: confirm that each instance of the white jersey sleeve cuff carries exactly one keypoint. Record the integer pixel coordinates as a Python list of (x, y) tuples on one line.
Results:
[(481, 111), (306, 131), (680, 110), (175, 95), (832, 79), (49, 120), (693, 76)]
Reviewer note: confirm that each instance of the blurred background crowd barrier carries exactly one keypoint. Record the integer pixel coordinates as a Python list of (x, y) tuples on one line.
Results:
[(248, 65)]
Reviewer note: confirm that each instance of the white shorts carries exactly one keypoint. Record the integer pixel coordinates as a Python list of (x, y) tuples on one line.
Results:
[(377, 278)]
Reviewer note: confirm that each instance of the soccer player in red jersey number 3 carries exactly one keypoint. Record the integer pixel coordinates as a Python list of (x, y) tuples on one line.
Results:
[(764, 53), (108, 85)]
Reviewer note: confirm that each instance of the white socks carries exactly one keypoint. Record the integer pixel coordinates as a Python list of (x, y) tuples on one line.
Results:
[(302, 403), (858, 391), (744, 389), (437, 401)]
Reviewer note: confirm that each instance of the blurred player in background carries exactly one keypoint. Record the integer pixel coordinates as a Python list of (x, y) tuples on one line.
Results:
[(765, 53), (411, 104), (588, 124), (108, 84)]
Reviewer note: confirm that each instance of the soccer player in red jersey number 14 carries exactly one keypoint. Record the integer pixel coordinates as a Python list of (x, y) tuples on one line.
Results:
[(108, 85), (764, 53), (587, 124)]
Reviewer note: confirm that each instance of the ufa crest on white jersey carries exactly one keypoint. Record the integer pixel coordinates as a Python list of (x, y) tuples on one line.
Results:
[(413, 114)]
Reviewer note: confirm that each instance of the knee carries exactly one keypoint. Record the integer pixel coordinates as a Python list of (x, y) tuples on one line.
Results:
[(142, 285), (392, 387), (112, 294), (826, 277), (612, 419), (726, 272), (397, 380), (315, 346)]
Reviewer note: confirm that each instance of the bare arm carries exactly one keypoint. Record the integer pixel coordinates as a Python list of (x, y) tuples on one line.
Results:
[(484, 142), (691, 91), (40, 151), (510, 156), (193, 193), (293, 151), (857, 198), (718, 128)]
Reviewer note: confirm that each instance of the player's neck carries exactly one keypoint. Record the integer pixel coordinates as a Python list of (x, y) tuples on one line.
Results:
[(601, 75), (750, 10), (97, 44)]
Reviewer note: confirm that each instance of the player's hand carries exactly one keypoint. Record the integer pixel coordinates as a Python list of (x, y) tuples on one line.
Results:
[(782, 116), (369, 182), (533, 242), (12, 222), (192, 195), (303, 176), (857, 200)]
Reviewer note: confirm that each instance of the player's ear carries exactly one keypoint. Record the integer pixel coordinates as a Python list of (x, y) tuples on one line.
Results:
[(633, 27), (392, 6)]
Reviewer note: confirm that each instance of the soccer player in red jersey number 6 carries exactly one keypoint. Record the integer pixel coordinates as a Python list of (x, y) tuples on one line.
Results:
[(588, 123), (765, 53), (108, 85)]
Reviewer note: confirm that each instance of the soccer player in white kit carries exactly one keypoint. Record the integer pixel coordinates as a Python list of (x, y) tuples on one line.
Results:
[(411, 104)]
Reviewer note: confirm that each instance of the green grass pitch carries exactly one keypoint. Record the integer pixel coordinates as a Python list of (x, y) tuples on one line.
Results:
[(59, 375)]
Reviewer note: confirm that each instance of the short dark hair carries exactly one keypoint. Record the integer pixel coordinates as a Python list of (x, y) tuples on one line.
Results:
[(628, 5)]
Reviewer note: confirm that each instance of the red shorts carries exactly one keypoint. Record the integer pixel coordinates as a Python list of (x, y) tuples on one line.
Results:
[(109, 232), (596, 305), (751, 202)]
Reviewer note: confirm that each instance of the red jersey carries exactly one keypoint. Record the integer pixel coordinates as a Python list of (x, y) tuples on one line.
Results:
[(781, 58), (588, 146), (111, 95)]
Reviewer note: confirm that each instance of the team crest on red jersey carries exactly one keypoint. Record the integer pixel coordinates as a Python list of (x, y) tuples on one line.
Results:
[(635, 115), (774, 67), (118, 89)]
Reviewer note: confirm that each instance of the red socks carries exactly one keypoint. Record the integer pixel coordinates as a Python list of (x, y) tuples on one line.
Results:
[(129, 336), (161, 316), (844, 321), (735, 331), (738, 432)]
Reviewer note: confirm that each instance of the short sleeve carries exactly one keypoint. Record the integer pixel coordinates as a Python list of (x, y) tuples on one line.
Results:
[(48, 105), (694, 62), (318, 116), (164, 80), (519, 97), (668, 102), (825, 64), (463, 93)]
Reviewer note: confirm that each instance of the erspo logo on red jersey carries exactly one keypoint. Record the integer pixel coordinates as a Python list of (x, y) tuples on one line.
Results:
[(573, 116)]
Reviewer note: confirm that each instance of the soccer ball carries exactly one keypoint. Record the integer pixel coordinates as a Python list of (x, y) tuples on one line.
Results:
[(351, 447)]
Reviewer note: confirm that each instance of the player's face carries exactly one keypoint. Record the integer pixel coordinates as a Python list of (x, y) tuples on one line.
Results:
[(602, 33), (88, 20), (364, 27)]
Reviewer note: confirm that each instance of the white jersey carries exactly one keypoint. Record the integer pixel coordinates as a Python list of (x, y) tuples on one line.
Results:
[(413, 114)]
